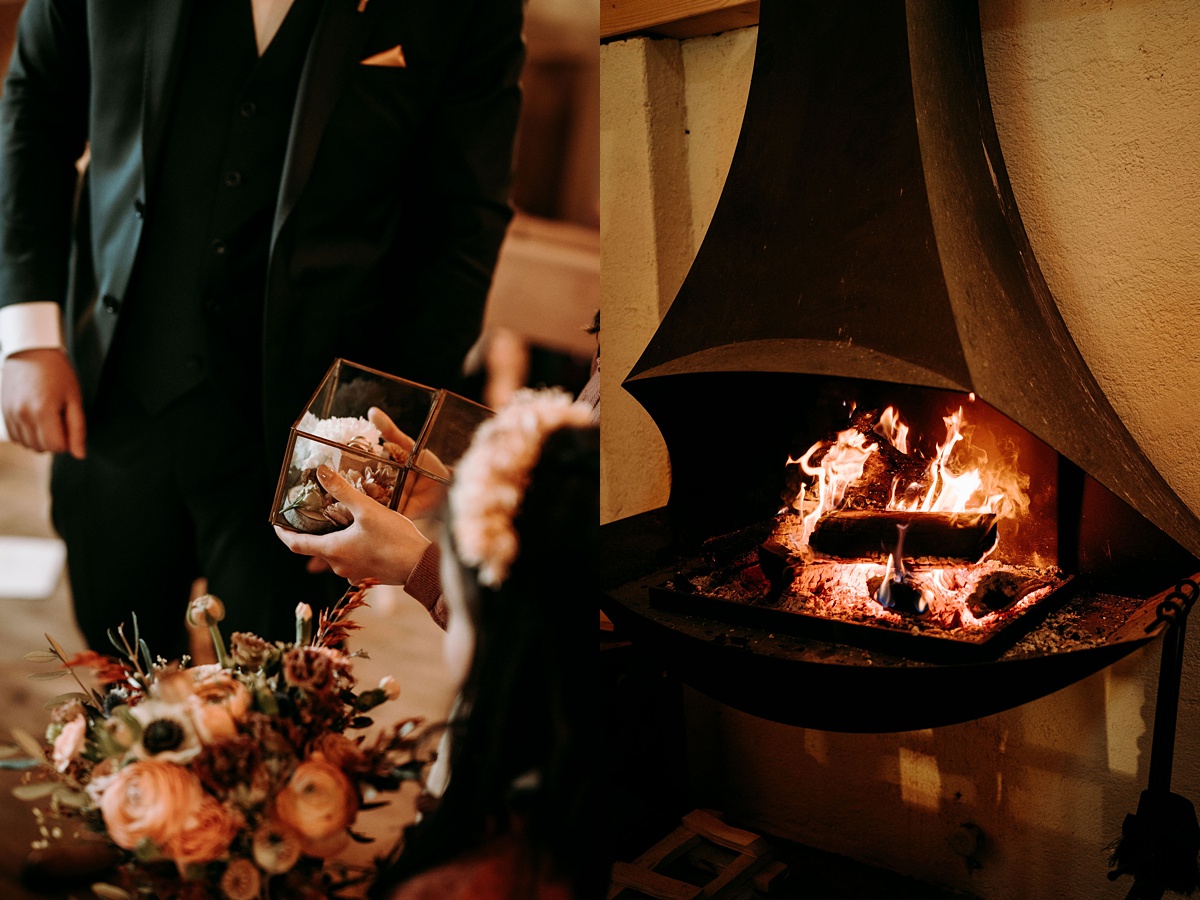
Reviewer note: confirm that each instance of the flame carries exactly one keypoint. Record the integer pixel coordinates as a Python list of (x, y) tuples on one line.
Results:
[(841, 466), (893, 429), (959, 478)]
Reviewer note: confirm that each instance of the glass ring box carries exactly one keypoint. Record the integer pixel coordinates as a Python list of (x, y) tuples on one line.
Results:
[(395, 440)]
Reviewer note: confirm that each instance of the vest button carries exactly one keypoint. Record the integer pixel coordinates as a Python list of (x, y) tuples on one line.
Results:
[(248, 109), (111, 304), (233, 179), (139, 207), (218, 247)]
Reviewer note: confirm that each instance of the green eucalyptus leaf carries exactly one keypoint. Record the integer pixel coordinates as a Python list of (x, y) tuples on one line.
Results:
[(41, 656), (57, 647), (34, 791), (29, 743), (19, 765), (68, 797), (46, 676)]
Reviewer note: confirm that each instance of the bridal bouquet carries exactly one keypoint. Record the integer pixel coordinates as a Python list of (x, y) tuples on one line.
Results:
[(241, 779)]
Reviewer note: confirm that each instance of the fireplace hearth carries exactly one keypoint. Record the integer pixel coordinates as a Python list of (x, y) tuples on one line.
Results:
[(867, 254)]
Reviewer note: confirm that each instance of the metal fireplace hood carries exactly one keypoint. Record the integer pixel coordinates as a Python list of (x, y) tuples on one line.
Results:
[(868, 229)]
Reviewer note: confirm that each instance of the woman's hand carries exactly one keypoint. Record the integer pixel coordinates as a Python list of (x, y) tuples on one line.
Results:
[(379, 543)]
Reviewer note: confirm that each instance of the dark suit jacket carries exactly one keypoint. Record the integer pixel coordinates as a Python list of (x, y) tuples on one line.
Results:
[(391, 209)]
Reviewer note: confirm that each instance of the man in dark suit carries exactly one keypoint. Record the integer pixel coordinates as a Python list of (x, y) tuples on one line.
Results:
[(271, 184)]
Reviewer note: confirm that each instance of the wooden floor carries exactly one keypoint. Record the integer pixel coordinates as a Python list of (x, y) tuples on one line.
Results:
[(398, 634)]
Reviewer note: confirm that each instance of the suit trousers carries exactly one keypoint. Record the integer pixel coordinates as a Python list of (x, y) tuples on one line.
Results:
[(161, 500)]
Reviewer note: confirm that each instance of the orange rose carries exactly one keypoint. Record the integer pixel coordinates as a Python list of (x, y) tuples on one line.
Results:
[(149, 801), (318, 802), (206, 834)]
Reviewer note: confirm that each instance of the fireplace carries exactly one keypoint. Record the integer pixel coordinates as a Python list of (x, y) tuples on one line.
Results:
[(867, 254)]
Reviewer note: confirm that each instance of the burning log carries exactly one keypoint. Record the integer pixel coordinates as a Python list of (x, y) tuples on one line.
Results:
[(886, 466), (778, 565), (727, 551), (871, 535)]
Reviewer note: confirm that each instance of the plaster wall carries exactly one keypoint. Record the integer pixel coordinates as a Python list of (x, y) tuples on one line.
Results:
[(1098, 107)]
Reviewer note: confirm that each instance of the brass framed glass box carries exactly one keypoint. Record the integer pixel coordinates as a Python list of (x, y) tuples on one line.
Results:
[(395, 440)]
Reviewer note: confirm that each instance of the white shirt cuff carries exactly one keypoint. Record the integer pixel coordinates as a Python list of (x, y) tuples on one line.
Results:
[(29, 326)]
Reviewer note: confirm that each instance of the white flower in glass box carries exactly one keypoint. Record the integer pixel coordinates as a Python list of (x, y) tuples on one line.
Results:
[(309, 508), (340, 429), (393, 440)]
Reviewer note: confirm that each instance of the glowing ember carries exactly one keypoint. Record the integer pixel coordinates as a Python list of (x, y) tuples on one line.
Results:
[(842, 591)]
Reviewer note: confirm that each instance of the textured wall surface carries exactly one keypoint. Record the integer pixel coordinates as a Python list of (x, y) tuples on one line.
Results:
[(1098, 110)]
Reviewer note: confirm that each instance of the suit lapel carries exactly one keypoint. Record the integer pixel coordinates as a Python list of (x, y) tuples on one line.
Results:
[(339, 37), (165, 23)]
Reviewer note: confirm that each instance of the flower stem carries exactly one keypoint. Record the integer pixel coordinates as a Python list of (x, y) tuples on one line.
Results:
[(219, 645)]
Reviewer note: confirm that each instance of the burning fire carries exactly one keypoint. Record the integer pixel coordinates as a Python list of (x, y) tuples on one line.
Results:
[(957, 478)]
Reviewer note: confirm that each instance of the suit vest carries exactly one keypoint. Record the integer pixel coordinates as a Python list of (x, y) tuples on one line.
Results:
[(194, 306)]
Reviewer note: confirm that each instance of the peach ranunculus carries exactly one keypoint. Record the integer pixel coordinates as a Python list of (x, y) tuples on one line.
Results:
[(217, 703), (318, 802), (217, 685), (213, 722), (149, 801), (69, 742), (207, 832)]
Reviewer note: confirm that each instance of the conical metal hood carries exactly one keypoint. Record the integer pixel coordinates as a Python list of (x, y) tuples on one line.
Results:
[(868, 229)]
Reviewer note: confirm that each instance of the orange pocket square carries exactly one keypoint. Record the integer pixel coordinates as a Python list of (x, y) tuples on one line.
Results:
[(393, 57)]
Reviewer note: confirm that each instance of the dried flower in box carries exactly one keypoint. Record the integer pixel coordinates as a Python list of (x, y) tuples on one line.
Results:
[(309, 508)]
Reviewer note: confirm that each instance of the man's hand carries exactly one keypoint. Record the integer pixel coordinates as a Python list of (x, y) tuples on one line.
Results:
[(422, 496), (379, 543), (43, 408)]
